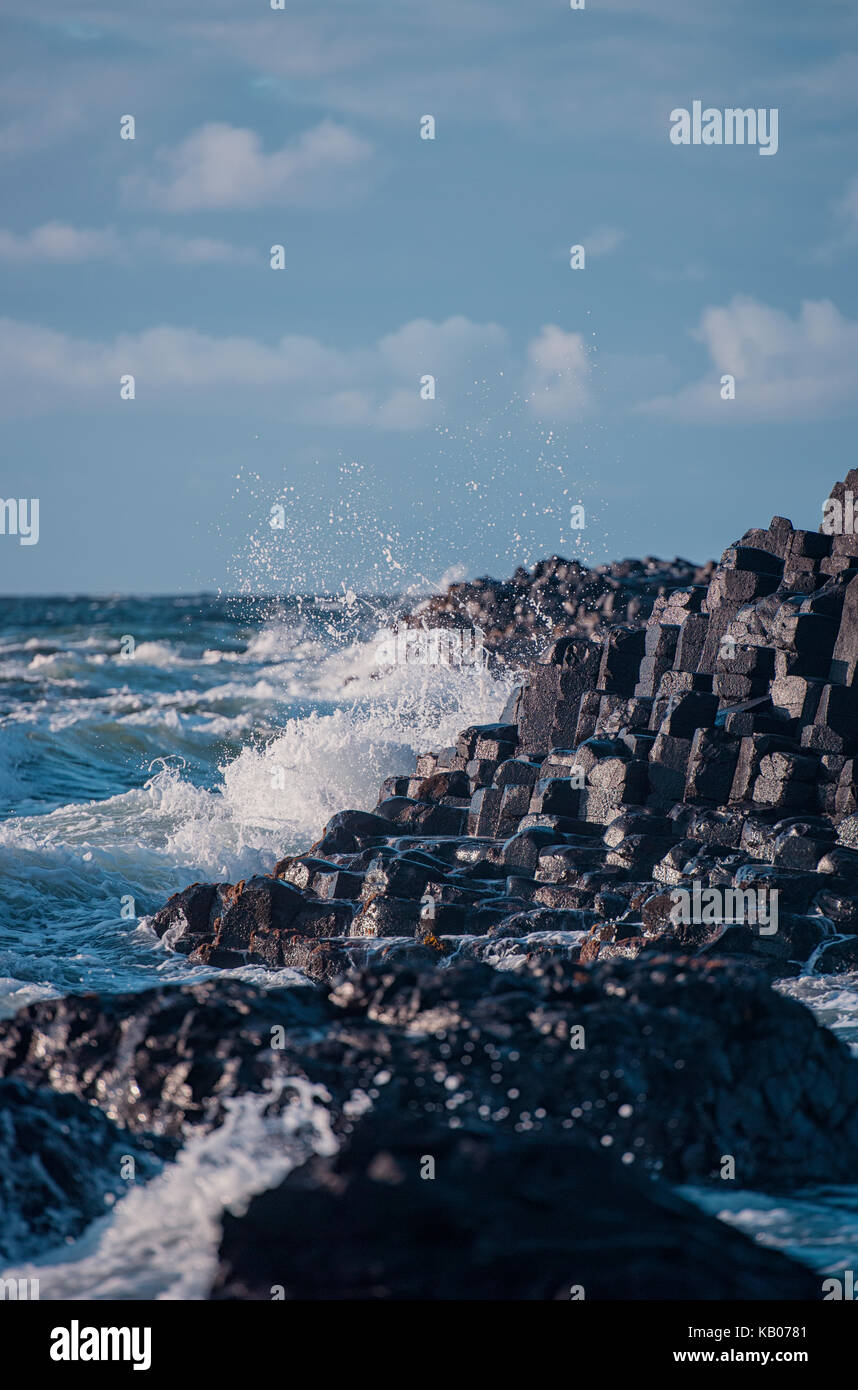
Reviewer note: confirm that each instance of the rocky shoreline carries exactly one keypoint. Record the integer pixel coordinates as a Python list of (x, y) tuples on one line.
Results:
[(543, 961), (519, 617)]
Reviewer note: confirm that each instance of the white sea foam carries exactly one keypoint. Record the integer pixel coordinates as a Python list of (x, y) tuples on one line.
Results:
[(294, 735), (818, 1226), (161, 1239), (184, 754), (18, 994), (833, 998)]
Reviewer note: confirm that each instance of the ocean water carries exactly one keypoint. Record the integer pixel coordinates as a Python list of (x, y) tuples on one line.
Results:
[(225, 741)]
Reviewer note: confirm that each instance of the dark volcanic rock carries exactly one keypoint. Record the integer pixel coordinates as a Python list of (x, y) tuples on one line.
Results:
[(672, 1060), (556, 598), (161, 1059), (680, 1061), (531, 1217), (724, 707), (500, 940), (61, 1165)]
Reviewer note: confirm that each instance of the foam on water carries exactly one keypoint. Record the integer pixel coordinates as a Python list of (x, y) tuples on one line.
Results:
[(818, 1227), (833, 998), (192, 762), (160, 1241), (226, 743)]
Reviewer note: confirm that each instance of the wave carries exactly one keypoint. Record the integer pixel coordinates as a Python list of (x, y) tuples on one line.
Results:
[(219, 791), (160, 1241)]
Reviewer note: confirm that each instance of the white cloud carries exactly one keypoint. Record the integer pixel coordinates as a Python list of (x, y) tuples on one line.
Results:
[(40, 109), (56, 241), (379, 384), (309, 46), (61, 244), (533, 66), (603, 241), (557, 382), (225, 166), (313, 381), (198, 250), (425, 346), (785, 369)]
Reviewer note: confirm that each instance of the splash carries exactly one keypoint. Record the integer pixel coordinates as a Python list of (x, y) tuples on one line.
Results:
[(149, 776), (160, 1241)]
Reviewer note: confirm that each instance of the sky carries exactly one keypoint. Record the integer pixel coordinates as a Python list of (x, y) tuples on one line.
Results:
[(295, 396)]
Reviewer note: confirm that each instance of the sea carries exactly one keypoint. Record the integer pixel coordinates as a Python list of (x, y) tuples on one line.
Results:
[(153, 741)]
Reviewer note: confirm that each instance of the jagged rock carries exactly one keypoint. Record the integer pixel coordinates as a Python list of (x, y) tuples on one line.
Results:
[(720, 703), (385, 915), (557, 599), (686, 728), (186, 918), (161, 1059), (62, 1165), (844, 658), (416, 1210), (346, 830), (683, 1059)]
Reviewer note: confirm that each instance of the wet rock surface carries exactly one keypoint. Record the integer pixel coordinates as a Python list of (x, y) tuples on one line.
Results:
[(562, 928), (159, 1061), (537, 1217), (705, 743), (671, 1062), (519, 616), (62, 1163)]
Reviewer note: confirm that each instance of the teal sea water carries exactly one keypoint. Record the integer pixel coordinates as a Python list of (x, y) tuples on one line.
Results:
[(146, 743), (149, 742)]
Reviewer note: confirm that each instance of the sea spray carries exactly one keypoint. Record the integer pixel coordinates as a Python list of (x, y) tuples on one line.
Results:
[(160, 1241), (223, 745)]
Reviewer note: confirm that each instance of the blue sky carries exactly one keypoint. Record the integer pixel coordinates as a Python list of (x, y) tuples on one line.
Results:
[(404, 257)]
